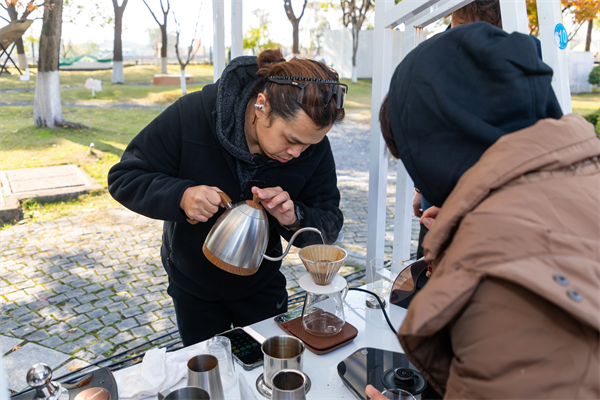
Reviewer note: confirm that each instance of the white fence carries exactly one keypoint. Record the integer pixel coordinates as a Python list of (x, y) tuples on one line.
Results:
[(580, 66), (337, 51)]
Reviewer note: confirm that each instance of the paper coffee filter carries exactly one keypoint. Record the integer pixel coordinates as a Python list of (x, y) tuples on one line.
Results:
[(322, 262)]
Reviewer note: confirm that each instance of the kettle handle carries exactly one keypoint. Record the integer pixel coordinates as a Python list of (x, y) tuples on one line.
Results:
[(224, 199), (299, 231)]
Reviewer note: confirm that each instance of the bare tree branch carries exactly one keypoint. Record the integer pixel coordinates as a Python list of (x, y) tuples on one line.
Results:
[(152, 12), (287, 5), (303, 9)]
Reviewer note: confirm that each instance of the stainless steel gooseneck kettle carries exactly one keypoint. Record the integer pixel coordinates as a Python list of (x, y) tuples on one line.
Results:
[(238, 240)]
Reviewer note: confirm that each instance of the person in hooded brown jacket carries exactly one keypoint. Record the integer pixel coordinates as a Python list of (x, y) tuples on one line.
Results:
[(511, 309)]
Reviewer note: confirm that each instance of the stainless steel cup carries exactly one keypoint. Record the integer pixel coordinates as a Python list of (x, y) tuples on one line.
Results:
[(203, 372), (185, 393), (281, 352), (289, 384)]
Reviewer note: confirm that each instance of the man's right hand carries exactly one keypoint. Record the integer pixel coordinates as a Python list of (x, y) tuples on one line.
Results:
[(201, 202)]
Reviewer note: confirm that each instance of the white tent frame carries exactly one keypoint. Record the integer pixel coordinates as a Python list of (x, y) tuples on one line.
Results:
[(237, 34), (415, 15)]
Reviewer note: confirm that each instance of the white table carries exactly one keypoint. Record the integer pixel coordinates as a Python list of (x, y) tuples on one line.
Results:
[(373, 331)]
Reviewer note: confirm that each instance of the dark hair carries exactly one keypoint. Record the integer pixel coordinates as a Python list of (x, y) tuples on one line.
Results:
[(480, 10), (386, 128), (282, 98)]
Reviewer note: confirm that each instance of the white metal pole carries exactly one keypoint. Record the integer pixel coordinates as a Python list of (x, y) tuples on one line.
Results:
[(549, 16), (378, 164), (218, 38), (514, 16), (404, 184), (237, 31)]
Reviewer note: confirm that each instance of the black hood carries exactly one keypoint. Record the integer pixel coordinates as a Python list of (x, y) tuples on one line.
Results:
[(236, 85), (457, 93)]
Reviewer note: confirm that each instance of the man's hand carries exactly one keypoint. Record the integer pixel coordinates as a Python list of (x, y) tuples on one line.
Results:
[(417, 205), (374, 394), (201, 202), (429, 216), (277, 202)]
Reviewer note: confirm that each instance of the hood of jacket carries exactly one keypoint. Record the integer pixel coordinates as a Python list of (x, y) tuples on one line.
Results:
[(457, 93), (235, 87)]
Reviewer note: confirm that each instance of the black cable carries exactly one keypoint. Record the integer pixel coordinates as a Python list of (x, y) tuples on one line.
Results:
[(380, 305)]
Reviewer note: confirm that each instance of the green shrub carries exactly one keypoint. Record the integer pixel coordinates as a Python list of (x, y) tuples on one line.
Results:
[(594, 77), (594, 118)]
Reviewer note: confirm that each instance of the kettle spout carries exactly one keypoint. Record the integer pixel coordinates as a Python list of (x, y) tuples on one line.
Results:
[(299, 231)]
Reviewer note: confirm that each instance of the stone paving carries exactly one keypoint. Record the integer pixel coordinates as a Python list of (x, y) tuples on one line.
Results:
[(77, 290)]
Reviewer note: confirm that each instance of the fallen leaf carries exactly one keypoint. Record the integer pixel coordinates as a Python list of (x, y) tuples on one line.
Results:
[(72, 330), (15, 348), (74, 366)]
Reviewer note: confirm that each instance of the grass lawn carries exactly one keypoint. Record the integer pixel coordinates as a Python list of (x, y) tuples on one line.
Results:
[(24, 145), (586, 103), (111, 93), (133, 74)]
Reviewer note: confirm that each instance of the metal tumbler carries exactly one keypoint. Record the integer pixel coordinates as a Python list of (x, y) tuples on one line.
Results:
[(203, 372), (185, 393), (281, 352), (289, 384)]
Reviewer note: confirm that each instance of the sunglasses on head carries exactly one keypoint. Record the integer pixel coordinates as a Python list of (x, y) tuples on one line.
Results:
[(314, 92)]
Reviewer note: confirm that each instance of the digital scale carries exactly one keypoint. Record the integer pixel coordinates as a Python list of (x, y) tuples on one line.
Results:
[(384, 370)]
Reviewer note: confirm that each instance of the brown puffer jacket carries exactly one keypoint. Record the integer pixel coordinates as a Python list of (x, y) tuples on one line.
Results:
[(512, 307)]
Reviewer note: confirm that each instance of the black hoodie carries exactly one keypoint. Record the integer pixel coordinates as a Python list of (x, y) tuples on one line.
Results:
[(181, 148), (455, 94)]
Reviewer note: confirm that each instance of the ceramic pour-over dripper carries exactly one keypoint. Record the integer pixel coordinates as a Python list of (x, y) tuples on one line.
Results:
[(323, 262)]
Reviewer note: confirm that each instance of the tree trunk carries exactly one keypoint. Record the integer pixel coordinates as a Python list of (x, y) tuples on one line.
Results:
[(355, 34), (183, 82), (47, 109), (22, 59), (295, 29), (287, 5), (117, 72), (118, 75), (588, 38), (163, 49)]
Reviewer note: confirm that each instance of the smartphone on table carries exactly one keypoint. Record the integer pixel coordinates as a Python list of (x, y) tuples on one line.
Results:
[(245, 349), (292, 314)]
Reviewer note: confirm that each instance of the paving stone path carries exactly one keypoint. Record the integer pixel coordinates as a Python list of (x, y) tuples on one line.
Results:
[(77, 290)]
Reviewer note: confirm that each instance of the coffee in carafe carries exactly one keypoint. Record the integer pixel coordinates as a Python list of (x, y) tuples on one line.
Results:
[(323, 309)]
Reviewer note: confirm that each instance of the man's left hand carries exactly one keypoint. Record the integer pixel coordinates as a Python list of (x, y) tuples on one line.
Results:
[(278, 203)]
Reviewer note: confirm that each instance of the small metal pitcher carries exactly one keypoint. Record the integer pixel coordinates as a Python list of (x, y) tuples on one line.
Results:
[(238, 240)]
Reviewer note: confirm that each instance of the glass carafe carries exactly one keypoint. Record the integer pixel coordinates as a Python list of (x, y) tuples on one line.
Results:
[(323, 310)]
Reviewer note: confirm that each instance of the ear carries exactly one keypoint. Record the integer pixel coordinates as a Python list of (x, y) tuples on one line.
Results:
[(261, 106), (261, 100)]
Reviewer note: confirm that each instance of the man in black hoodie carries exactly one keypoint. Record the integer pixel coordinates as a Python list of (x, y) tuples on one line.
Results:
[(257, 130)]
